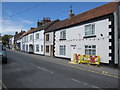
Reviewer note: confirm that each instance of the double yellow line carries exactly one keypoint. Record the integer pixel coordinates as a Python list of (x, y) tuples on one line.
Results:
[(102, 72)]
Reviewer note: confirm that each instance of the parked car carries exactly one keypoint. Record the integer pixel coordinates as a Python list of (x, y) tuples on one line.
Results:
[(3, 54)]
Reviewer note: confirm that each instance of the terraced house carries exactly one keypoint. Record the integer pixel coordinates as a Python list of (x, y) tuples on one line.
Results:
[(94, 32), (33, 40)]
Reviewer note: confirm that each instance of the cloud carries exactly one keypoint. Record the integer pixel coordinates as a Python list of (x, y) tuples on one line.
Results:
[(26, 21), (10, 26)]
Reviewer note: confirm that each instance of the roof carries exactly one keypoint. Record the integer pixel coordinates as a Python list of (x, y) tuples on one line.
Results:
[(42, 27), (88, 15)]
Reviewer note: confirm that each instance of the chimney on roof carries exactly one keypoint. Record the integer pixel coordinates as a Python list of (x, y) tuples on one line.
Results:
[(32, 28), (70, 13), (46, 20), (39, 23)]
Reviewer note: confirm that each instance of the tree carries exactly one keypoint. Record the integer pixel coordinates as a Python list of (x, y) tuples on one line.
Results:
[(5, 39)]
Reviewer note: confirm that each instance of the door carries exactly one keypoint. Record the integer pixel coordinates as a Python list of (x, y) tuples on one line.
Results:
[(51, 50), (73, 50)]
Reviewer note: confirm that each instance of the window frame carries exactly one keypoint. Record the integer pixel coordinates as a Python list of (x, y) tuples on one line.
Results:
[(37, 48), (62, 49), (47, 49), (63, 35), (47, 37), (37, 36), (91, 31), (89, 50)]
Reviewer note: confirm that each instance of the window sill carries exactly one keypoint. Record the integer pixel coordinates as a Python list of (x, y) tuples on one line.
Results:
[(89, 36), (62, 39)]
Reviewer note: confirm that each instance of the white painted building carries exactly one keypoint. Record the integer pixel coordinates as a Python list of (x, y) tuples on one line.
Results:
[(89, 33), (49, 43), (39, 42), (33, 40), (11, 43)]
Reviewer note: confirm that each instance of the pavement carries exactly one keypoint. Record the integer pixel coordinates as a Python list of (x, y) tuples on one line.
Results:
[(35, 71)]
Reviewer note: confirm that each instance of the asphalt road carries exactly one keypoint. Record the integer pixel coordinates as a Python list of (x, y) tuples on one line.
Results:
[(35, 71)]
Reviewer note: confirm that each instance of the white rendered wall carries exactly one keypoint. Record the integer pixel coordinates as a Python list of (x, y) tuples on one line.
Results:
[(78, 32), (48, 43), (39, 41)]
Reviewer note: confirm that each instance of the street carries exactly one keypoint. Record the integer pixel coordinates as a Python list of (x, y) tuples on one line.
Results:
[(34, 71)]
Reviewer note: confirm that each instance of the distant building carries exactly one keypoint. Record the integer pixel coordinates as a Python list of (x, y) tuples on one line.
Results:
[(33, 40), (14, 44)]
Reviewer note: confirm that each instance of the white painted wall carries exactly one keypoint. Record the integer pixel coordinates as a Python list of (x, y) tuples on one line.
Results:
[(78, 32), (48, 43), (39, 41)]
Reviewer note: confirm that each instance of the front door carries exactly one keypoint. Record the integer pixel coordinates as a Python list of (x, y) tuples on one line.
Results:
[(73, 50), (51, 50)]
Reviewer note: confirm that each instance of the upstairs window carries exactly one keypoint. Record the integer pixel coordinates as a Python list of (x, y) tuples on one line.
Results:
[(31, 37), (63, 34), (90, 30), (37, 36), (47, 37)]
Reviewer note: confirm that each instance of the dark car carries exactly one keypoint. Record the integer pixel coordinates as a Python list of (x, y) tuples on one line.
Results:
[(3, 54)]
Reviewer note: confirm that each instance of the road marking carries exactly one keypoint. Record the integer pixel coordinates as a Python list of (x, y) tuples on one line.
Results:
[(45, 69), (85, 83), (42, 68), (106, 74)]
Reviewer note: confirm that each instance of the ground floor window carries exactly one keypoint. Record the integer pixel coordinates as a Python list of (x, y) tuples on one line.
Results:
[(41, 47), (62, 49), (37, 47), (47, 49), (26, 47), (90, 49)]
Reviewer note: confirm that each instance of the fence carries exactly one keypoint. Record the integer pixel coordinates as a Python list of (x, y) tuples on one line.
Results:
[(88, 59)]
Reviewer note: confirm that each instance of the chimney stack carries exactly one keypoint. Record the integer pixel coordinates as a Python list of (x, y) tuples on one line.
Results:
[(70, 13)]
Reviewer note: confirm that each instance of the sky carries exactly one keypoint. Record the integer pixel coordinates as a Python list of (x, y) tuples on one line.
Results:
[(17, 16)]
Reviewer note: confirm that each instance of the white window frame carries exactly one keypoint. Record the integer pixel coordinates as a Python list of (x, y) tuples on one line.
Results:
[(31, 37), (37, 47), (37, 36), (90, 49), (89, 29), (41, 47), (62, 50), (63, 34)]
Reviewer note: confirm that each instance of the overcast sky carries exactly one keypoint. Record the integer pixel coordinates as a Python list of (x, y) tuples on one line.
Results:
[(23, 15)]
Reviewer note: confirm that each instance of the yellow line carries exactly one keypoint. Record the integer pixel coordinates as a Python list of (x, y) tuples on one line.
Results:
[(106, 74), (87, 70)]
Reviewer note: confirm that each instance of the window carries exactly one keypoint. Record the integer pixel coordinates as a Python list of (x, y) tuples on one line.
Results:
[(41, 47), (89, 29), (37, 36), (37, 47), (26, 47), (63, 34), (31, 37), (62, 49), (47, 37), (47, 49), (90, 49)]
